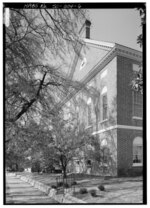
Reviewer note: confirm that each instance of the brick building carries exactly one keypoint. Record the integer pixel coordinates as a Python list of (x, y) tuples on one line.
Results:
[(112, 111)]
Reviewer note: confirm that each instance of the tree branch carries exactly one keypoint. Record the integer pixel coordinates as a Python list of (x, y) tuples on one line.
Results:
[(27, 105)]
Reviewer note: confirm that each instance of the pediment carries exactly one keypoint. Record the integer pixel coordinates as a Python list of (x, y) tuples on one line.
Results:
[(91, 54)]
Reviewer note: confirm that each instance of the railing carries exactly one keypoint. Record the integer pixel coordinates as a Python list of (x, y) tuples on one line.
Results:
[(67, 184)]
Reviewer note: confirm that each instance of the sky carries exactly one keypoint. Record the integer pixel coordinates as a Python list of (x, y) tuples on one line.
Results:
[(120, 26)]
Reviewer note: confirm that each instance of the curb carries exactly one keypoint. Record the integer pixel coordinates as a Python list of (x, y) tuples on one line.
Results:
[(66, 198)]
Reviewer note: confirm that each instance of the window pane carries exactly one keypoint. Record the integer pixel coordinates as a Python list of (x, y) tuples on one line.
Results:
[(137, 104), (104, 113), (137, 159), (89, 115), (137, 154), (104, 99)]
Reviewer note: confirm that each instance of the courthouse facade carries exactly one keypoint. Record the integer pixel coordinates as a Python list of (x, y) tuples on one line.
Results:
[(113, 112)]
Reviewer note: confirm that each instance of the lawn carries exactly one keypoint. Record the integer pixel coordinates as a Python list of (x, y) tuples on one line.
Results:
[(117, 190)]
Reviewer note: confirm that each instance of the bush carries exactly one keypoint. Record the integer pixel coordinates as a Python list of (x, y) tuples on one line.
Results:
[(93, 193), (21, 169), (101, 188), (54, 187), (83, 191), (60, 184), (66, 185), (74, 183)]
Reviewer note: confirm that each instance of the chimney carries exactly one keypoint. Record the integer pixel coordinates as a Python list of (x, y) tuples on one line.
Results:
[(85, 29)]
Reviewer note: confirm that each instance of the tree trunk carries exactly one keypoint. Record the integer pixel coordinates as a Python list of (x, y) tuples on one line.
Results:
[(64, 165), (65, 172), (16, 167)]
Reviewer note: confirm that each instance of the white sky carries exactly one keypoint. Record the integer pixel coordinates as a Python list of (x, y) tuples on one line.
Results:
[(116, 25)]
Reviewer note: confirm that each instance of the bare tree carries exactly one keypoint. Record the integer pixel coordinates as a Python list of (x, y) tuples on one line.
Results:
[(69, 143), (101, 148), (36, 44)]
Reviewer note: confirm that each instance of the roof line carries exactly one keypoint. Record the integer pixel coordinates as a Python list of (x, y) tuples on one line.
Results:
[(101, 43), (107, 44), (128, 47)]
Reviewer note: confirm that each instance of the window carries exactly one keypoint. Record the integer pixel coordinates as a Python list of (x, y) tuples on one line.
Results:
[(137, 151), (89, 114), (104, 104), (83, 63), (137, 104), (89, 108), (105, 152)]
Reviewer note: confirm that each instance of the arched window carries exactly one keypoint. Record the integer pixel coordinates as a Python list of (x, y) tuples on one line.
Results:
[(137, 151)]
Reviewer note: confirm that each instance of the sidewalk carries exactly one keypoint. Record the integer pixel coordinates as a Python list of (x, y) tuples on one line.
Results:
[(42, 183), (19, 192)]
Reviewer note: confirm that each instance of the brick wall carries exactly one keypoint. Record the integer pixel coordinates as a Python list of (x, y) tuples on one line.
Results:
[(124, 91), (124, 116), (125, 139)]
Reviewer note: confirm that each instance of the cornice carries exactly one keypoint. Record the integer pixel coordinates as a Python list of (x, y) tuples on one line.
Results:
[(106, 48), (99, 44), (117, 50), (102, 43), (128, 52)]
